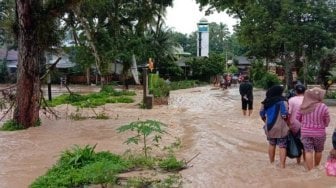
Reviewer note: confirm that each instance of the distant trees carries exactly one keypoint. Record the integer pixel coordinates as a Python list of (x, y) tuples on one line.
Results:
[(280, 29), (103, 31)]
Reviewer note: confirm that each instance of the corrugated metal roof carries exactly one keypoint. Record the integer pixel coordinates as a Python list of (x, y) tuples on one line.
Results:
[(12, 55)]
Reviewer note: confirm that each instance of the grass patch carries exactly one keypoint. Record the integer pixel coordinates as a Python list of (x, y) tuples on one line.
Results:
[(11, 125), (107, 95), (170, 163), (82, 166)]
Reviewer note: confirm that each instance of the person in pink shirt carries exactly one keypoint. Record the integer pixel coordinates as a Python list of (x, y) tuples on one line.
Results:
[(314, 118), (294, 104)]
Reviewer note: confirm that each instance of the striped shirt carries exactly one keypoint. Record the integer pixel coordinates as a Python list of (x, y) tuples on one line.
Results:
[(313, 124)]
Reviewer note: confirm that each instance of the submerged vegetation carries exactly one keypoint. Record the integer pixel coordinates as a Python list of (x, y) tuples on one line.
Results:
[(83, 166), (107, 95)]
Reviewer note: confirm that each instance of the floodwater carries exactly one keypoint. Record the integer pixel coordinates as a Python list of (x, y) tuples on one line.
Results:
[(225, 149)]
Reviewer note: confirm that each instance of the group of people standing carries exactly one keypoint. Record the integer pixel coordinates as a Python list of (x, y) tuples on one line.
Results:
[(304, 115)]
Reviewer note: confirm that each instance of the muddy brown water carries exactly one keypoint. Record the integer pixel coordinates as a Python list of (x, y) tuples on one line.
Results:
[(231, 149)]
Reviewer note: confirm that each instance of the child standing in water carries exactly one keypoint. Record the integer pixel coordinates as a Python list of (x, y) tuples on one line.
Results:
[(314, 118)]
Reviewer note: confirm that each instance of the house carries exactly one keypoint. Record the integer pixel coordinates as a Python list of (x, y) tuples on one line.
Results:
[(11, 59), (243, 63)]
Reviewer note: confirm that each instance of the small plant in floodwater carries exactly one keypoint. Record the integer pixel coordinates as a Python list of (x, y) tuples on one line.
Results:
[(76, 116), (173, 146), (140, 182), (140, 161), (102, 115), (173, 180), (172, 164), (143, 130), (11, 125), (142, 105), (78, 157)]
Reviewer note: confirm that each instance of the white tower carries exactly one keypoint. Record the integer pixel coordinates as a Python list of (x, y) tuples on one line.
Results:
[(203, 38)]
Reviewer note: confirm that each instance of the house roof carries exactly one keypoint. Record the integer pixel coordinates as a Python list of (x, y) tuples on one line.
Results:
[(242, 60), (63, 63), (12, 59), (178, 50), (12, 55)]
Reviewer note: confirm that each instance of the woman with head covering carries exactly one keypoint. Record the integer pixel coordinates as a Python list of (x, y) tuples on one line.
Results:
[(314, 118), (274, 113)]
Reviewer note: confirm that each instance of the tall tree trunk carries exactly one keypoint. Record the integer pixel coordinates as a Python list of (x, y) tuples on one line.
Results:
[(28, 94), (288, 73), (88, 34)]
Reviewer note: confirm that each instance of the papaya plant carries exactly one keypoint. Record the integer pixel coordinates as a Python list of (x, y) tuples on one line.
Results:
[(143, 130)]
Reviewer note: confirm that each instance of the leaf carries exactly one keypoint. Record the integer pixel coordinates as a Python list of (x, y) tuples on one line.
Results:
[(134, 140)]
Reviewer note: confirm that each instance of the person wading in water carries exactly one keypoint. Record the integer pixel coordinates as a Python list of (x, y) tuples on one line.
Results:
[(246, 92)]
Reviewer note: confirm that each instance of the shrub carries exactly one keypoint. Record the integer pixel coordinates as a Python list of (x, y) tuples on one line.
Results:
[(82, 166), (11, 125), (160, 88), (267, 81), (107, 95), (171, 164), (330, 95), (183, 84)]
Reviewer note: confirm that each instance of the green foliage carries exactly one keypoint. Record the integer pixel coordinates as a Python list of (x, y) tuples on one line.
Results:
[(257, 71), (261, 77), (233, 69), (140, 161), (143, 129), (268, 80), (3, 72), (327, 74), (102, 115), (159, 88), (78, 157), (171, 164), (77, 116), (204, 68), (171, 181), (184, 84), (11, 125), (106, 95), (82, 166), (153, 80), (139, 182), (330, 95)]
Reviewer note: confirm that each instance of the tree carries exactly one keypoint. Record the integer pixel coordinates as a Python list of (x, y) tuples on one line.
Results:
[(218, 34), (36, 31), (275, 29), (204, 68), (327, 68)]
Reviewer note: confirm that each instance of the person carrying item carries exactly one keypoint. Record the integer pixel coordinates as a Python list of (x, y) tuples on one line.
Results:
[(294, 104), (314, 118), (246, 92), (274, 113)]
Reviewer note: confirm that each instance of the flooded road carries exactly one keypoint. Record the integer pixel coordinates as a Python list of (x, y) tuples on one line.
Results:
[(231, 149)]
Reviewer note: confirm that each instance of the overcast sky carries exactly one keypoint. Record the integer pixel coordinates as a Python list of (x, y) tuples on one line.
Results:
[(184, 16)]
